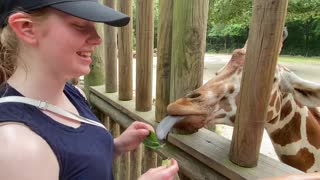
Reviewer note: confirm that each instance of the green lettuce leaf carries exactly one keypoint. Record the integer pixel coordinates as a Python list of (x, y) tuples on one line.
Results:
[(151, 141)]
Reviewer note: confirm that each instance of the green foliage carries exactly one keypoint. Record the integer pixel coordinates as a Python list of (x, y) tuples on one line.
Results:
[(227, 24), (156, 20), (229, 21), (303, 10), (230, 11), (317, 28), (221, 30), (303, 39), (152, 141), (166, 162)]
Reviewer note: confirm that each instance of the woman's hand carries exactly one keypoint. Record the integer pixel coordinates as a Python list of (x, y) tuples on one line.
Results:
[(131, 138), (162, 172)]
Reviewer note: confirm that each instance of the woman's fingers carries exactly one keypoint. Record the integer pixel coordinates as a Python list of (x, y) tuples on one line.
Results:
[(162, 172), (174, 166), (142, 125), (170, 170), (143, 133), (157, 169)]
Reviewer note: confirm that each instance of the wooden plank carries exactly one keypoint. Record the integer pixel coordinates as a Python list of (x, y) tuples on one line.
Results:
[(136, 165), (212, 150), (124, 163), (115, 129), (164, 58), (203, 155), (145, 29), (265, 37), (124, 172), (127, 107), (105, 120), (110, 49), (122, 119), (188, 46), (125, 53), (149, 159)]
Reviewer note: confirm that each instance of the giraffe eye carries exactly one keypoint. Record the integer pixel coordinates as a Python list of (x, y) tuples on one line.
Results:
[(193, 95)]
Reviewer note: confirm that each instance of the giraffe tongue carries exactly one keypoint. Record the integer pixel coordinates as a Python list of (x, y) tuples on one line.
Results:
[(166, 125)]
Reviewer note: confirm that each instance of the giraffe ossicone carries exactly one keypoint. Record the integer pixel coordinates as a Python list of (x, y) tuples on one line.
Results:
[(293, 118)]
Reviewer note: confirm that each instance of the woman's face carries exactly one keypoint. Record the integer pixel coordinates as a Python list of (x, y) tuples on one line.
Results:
[(66, 43)]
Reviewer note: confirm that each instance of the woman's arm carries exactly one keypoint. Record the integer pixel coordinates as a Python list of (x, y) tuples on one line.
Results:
[(25, 155)]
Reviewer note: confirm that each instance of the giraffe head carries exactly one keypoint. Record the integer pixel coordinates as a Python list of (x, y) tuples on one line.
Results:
[(216, 101)]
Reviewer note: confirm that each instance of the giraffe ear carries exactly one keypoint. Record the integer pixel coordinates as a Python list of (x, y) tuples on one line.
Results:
[(306, 92)]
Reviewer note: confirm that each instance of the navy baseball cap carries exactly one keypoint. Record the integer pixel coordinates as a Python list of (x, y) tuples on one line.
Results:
[(90, 10)]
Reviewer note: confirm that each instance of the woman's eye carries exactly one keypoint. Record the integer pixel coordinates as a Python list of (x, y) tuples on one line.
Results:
[(79, 26)]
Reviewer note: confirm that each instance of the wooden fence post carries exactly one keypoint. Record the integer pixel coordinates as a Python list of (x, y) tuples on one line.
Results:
[(149, 159), (115, 129), (145, 29), (124, 163), (164, 58), (125, 53), (136, 165), (257, 78), (110, 42), (188, 46)]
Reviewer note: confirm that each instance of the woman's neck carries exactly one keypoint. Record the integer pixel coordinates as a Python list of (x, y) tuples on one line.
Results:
[(38, 85)]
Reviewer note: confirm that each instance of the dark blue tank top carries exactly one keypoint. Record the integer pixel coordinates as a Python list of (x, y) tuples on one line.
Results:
[(83, 153)]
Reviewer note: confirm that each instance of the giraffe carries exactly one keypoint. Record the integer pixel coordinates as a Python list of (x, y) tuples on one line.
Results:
[(293, 120)]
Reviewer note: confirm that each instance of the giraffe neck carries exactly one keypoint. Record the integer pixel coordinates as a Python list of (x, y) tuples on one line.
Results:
[(295, 133), (293, 129)]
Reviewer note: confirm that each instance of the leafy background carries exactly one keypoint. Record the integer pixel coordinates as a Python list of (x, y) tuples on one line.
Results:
[(229, 20)]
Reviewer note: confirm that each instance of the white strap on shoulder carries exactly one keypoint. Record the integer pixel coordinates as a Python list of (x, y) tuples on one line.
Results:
[(49, 107)]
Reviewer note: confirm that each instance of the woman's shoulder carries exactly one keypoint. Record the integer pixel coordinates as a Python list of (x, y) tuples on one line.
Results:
[(23, 154), (15, 133)]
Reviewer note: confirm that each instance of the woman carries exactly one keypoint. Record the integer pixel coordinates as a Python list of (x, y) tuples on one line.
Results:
[(44, 43)]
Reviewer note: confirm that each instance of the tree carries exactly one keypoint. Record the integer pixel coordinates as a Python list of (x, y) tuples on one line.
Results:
[(229, 20)]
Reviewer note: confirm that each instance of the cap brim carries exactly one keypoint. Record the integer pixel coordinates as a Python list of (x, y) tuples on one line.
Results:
[(93, 11)]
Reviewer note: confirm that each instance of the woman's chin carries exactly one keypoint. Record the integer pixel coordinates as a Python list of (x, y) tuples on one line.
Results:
[(83, 72)]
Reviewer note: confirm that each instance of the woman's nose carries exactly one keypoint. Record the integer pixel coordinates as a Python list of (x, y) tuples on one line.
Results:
[(94, 39)]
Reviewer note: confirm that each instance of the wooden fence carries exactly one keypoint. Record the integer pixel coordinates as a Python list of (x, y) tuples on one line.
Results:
[(181, 45)]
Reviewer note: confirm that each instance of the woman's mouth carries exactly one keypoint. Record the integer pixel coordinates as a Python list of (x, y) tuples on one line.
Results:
[(85, 54)]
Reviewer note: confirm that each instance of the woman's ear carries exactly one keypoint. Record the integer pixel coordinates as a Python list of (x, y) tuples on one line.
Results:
[(23, 26)]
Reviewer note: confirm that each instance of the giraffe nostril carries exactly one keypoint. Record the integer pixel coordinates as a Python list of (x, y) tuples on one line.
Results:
[(274, 79), (193, 95)]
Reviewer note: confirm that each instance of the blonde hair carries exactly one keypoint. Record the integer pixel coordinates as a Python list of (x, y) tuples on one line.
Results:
[(8, 53), (9, 47)]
